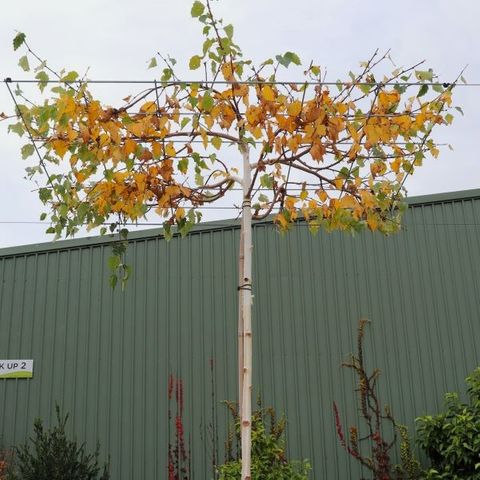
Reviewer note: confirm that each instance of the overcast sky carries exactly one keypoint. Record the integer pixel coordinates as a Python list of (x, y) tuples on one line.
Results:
[(115, 38)]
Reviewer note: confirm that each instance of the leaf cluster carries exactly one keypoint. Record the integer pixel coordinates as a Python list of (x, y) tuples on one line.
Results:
[(451, 439), (269, 459), (337, 160), (50, 455)]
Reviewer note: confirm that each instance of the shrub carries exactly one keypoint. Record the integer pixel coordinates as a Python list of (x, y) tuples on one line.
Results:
[(368, 444), (269, 459), (452, 439), (51, 456), (5, 459)]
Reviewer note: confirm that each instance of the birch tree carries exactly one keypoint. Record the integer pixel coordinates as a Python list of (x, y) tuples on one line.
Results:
[(334, 156)]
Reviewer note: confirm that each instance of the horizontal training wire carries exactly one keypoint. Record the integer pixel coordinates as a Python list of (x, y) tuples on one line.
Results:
[(240, 82)]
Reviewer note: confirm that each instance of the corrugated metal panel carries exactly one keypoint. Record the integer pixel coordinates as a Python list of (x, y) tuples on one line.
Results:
[(105, 356)]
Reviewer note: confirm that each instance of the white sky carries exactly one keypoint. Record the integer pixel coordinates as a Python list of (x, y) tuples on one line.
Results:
[(115, 38)]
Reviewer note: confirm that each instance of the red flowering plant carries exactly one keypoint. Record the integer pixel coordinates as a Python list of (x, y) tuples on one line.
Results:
[(178, 454), (370, 445)]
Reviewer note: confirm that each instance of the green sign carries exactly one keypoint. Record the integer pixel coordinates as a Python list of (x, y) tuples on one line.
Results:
[(16, 368)]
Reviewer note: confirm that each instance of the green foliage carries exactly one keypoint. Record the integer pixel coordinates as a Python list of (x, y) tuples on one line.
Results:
[(269, 461), (51, 456), (288, 58), (19, 40), (452, 439)]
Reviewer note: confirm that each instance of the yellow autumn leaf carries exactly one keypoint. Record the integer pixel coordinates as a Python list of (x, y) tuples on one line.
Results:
[(347, 201), (80, 176), (227, 71), (257, 132), (130, 146), (280, 218), (73, 160), (203, 134), (209, 121), (156, 149), (341, 108), (322, 195), (180, 213), (368, 199), (294, 108), (136, 128), (104, 139), (268, 94), (60, 147), (372, 221), (321, 130), (149, 107), (395, 165), (170, 150), (71, 134), (290, 203), (216, 142), (317, 151)]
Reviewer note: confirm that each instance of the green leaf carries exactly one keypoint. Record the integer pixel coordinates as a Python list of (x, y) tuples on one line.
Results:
[(113, 280), (45, 194), (43, 216), (423, 90), (424, 75), (194, 62), (266, 181), (27, 150), (42, 78), (400, 88), (153, 63), (23, 63), (365, 88), (185, 121), (288, 58), (17, 128), (207, 101), (437, 88), (197, 9), (127, 272), (70, 76), (207, 44), (114, 262), (199, 179), (183, 165), (167, 231), (293, 57), (229, 31), (19, 40), (59, 90), (167, 74)]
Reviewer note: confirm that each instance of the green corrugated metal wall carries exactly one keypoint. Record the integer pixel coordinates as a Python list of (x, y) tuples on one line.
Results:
[(105, 356)]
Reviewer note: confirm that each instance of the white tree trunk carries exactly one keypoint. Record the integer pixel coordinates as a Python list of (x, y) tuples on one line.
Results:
[(241, 258), (245, 299)]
